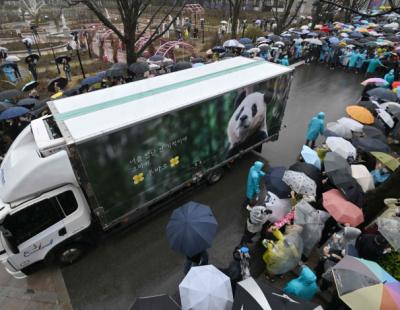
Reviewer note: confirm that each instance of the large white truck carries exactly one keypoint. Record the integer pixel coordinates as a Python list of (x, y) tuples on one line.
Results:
[(108, 157)]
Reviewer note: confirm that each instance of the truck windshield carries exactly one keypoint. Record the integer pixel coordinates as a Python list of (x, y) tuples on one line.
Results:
[(52, 128)]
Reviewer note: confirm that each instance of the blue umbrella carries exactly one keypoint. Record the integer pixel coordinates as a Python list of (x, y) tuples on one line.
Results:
[(333, 40), (91, 80), (245, 41), (274, 183), (102, 74), (330, 133), (191, 228), (370, 145), (13, 112), (310, 156), (218, 49), (248, 46)]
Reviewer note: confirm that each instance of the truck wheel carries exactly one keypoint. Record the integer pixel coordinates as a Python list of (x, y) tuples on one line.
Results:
[(214, 176), (70, 253)]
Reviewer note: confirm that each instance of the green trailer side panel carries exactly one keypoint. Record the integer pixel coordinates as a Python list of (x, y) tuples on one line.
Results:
[(130, 167)]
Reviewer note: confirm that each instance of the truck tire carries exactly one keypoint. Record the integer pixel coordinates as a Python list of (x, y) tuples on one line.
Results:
[(70, 253), (214, 176)]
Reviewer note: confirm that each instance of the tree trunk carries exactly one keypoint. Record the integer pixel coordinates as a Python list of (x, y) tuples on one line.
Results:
[(235, 17)]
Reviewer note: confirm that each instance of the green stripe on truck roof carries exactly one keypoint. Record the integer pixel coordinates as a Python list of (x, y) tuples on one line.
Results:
[(115, 102)]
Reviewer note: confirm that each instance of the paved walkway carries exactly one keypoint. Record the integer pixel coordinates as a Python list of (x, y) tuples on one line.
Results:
[(45, 290)]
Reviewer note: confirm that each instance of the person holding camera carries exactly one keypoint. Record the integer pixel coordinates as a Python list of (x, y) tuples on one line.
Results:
[(257, 218)]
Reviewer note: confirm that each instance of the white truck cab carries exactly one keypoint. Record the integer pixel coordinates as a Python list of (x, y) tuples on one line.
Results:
[(42, 204)]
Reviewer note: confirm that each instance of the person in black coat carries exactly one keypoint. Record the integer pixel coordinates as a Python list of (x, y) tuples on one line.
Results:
[(372, 246)]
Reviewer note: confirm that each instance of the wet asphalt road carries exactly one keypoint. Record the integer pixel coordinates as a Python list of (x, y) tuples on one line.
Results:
[(138, 262)]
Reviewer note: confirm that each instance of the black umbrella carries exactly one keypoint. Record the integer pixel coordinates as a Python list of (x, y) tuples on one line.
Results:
[(396, 131), (197, 60), (41, 108), (375, 133), (31, 58), (73, 91), (370, 106), (311, 171), (28, 102), (29, 86), (218, 49), (356, 34), (228, 54), (181, 65), (379, 124), (59, 81), (139, 68), (370, 145), (60, 59), (274, 38), (117, 70), (344, 182), (382, 93), (158, 302), (274, 183), (333, 162), (8, 64), (157, 58), (5, 105), (10, 94)]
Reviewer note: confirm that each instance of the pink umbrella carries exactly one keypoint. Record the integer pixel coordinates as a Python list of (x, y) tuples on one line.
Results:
[(377, 81), (342, 210)]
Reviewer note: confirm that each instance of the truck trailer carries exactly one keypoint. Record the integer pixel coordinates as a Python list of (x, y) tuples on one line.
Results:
[(108, 157)]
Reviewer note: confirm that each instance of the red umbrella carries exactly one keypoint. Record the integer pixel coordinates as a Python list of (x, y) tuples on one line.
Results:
[(325, 29), (342, 210)]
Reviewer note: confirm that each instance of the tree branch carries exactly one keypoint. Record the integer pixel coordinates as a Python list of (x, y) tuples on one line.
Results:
[(392, 9)]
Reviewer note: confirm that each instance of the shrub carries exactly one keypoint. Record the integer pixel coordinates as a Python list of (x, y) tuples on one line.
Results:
[(253, 32), (391, 263)]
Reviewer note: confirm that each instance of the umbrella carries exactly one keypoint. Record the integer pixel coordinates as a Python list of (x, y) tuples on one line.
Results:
[(60, 59), (375, 133), (304, 214), (334, 161), (363, 284), (382, 93), (156, 58), (91, 80), (31, 58), (274, 37), (333, 40), (370, 145), (342, 210), (254, 50), (279, 43), (274, 183), (314, 41), (218, 49), (59, 81), (310, 156), (3, 49), (338, 130), (309, 170), (300, 183), (7, 64), (181, 65), (118, 70), (278, 207), (153, 66), (139, 68), (245, 41), (360, 114), (342, 147), (388, 160), (72, 91), (392, 107), (263, 47), (349, 187), (13, 112), (196, 60), (29, 86), (191, 228), (231, 43), (27, 40), (390, 230), (370, 106), (10, 94), (158, 302), (351, 124), (27, 102), (356, 35), (101, 74), (260, 295), (376, 81), (5, 105), (361, 174), (385, 117), (206, 288), (13, 58)]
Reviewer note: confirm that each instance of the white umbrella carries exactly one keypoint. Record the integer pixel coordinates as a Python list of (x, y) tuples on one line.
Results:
[(279, 43), (13, 58), (339, 129), (391, 25), (263, 47), (206, 288), (254, 50), (261, 39), (341, 147), (314, 41), (299, 40), (153, 66), (385, 117), (279, 207), (27, 40), (304, 27), (3, 49), (232, 43), (344, 35), (390, 230), (351, 124), (361, 174), (392, 107), (223, 22), (300, 183)]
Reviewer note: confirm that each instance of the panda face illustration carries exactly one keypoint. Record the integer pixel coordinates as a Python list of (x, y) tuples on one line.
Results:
[(248, 118)]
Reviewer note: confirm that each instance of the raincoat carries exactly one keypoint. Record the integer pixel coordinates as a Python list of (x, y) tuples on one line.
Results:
[(360, 60), (316, 126), (353, 59), (284, 61), (379, 176), (373, 63), (299, 49), (10, 73), (304, 286), (389, 77), (253, 180), (284, 254)]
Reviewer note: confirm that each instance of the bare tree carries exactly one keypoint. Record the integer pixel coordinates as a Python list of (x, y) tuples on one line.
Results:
[(394, 7), (284, 13), (235, 6), (33, 7), (130, 12)]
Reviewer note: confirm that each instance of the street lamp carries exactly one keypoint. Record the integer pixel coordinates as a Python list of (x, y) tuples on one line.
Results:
[(35, 35), (75, 35), (54, 55), (202, 22)]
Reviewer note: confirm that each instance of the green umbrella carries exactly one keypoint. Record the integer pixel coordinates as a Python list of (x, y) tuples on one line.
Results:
[(386, 159)]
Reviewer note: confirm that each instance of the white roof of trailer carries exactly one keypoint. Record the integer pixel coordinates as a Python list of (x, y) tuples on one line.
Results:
[(88, 115)]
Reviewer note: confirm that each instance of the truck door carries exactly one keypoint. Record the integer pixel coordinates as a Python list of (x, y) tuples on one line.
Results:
[(38, 227)]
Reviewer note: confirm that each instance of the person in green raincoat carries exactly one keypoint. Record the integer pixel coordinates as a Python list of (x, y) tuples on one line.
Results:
[(389, 77), (373, 64)]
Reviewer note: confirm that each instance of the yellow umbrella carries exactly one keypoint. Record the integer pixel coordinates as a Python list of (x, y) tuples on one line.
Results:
[(362, 30), (360, 114), (57, 95), (386, 159)]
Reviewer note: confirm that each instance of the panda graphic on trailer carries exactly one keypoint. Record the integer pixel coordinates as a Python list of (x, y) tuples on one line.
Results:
[(248, 123)]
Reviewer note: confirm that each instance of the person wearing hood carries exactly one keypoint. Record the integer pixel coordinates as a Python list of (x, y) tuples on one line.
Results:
[(304, 286), (284, 61), (253, 183), (316, 126), (373, 64), (353, 59), (389, 77)]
